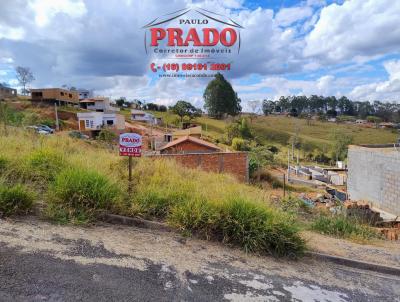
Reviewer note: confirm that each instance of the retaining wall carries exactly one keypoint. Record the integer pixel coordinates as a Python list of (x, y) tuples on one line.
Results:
[(374, 176)]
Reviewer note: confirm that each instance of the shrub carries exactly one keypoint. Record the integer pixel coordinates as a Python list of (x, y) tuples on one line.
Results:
[(15, 200), (44, 164), (213, 207), (107, 136), (343, 227), (77, 195), (240, 144)]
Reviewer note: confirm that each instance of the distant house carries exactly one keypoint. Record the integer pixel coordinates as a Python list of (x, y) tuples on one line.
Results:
[(99, 104), (84, 93), (142, 116), (187, 145), (332, 119), (387, 125), (7, 92), (55, 95), (92, 121), (361, 122), (192, 131)]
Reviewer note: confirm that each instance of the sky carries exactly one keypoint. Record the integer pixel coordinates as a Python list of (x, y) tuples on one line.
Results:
[(288, 47)]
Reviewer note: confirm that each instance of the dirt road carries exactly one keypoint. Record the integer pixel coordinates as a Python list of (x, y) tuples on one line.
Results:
[(45, 262)]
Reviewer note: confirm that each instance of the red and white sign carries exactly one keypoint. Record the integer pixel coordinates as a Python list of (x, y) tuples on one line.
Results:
[(130, 144)]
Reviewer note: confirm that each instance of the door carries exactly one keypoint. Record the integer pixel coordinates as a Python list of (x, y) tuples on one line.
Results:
[(82, 125)]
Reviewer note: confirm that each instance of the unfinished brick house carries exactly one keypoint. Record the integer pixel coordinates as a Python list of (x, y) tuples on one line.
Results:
[(55, 95)]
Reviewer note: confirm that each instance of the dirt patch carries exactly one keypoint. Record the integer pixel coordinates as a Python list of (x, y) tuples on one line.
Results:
[(379, 251)]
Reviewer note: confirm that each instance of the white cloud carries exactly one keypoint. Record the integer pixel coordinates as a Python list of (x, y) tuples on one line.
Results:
[(385, 90), (287, 16), (46, 10), (362, 28), (11, 33)]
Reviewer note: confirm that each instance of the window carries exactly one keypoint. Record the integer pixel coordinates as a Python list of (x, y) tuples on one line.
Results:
[(87, 123), (37, 94), (70, 95), (110, 122), (91, 124), (62, 93)]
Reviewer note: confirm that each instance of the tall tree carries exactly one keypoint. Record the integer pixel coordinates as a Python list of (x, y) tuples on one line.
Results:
[(183, 108), (24, 77), (341, 141), (220, 98)]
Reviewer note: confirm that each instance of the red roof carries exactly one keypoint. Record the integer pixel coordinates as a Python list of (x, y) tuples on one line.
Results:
[(191, 139)]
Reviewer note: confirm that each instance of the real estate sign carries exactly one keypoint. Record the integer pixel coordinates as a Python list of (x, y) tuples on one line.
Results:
[(130, 144)]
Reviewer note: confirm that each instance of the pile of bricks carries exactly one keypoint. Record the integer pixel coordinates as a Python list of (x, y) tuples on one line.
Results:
[(391, 233), (361, 211)]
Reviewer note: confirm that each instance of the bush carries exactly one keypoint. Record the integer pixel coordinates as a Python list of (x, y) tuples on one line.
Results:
[(343, 227), (15, 200), (213, 207), (77, 195), (107, 136), (44, 164), (240, 144)]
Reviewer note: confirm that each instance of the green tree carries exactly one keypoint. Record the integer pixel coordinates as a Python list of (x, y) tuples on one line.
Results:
[(120, 102), (220, 98), (341, 142), (183, 108)]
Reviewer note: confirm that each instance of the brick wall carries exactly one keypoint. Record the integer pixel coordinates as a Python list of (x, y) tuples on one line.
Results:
[(219, 162), (374, 176)]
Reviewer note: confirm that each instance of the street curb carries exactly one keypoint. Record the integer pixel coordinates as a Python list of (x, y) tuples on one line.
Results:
[(137, 222), (356, 263), (153, 225)]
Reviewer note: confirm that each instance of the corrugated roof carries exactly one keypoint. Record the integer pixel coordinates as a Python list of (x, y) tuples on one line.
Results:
[(193, 140)]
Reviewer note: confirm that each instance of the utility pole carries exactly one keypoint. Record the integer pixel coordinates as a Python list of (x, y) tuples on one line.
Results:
[(57, 123), (288, 164)]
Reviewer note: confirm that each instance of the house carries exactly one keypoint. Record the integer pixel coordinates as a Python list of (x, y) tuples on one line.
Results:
[(7, 92), (189, 144), (387, 125), (84, 93), (55, 95), (92, 121), (142, 116), (192, 131), (361, 122), (99, 104)]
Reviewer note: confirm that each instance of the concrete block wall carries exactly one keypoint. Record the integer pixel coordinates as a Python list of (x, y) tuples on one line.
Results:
[(235, 163), (374, 176)]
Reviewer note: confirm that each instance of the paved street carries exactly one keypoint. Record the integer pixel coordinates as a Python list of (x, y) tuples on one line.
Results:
[(45, 262)]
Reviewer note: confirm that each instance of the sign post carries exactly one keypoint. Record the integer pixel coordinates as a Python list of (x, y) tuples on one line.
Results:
[(130, 144)]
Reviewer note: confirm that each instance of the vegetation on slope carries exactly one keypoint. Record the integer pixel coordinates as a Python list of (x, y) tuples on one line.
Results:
[(83, 179)]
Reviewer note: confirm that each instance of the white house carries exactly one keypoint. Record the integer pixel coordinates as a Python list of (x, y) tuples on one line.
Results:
[(99, 104), (142, 116), (90, 121), (84, 93)]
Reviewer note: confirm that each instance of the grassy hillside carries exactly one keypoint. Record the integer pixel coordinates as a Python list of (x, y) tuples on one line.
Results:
[(279, 129), (75, 180), (319, 132)]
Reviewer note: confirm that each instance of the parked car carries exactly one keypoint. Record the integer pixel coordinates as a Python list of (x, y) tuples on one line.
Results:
[(40, 130), (46, 128)]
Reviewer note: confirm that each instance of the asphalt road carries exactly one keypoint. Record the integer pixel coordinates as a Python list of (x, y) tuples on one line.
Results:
[(43, 262)]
